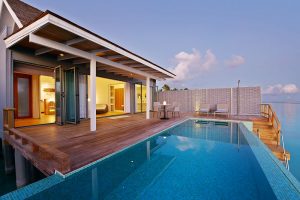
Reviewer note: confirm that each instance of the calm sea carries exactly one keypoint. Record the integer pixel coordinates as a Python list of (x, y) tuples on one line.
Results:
[(289, 116)]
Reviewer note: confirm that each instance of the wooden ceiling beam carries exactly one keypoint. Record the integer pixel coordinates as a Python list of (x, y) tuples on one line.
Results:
[(68, 57), (83, 54), (138, 66), (69, 43), (113, 57), (80, 61), (102, 50), (127, 62)]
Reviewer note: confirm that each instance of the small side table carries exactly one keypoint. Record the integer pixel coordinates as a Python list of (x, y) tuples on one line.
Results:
[(165, 111)]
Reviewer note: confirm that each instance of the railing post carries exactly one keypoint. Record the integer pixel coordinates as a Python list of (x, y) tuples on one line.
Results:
[(278, 137), (8, 117), (8, 152)]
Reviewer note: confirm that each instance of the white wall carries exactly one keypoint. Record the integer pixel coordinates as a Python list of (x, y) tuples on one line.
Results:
[(47, 82), (127, 98), (6, 27), (102, 89), (189, 100)]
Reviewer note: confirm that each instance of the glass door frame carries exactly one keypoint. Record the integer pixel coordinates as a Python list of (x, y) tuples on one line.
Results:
[(76, 96), (141, 101), (59, 112)]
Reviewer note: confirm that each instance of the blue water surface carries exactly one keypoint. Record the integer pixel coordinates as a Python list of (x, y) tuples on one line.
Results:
[(289, 116), (204, 160)]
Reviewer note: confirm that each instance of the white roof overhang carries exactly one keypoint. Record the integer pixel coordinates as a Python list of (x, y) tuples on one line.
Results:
[(119, 58)]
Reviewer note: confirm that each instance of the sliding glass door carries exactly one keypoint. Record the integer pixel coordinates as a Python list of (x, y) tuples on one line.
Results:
[(66, 95), (71, 96), (59, 96), (140, 97)]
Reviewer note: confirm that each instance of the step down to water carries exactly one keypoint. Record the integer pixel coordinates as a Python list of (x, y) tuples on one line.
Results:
[(268, 136)]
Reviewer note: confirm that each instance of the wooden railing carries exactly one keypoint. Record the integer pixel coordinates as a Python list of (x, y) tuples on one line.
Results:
[(43, 156), (267, 111)]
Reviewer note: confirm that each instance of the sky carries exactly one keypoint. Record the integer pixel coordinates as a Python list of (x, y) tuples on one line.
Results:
[(207, 44)]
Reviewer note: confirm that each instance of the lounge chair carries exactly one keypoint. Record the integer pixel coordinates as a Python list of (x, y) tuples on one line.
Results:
[(222, 109), (175, 108), (156, 109), (205, 108)]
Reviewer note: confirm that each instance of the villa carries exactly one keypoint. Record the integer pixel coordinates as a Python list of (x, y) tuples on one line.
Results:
[(78, 120)]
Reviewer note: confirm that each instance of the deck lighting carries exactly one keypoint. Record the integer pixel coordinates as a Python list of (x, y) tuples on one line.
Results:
[(61, 55)]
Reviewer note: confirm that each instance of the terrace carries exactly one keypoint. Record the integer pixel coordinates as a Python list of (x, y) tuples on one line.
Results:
[(69, 147)]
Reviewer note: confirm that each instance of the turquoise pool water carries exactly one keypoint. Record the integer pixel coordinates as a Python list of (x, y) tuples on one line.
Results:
[(194, 160), (289, 116)]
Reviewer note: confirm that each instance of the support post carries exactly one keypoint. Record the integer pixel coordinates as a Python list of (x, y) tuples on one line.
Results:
[(93, 95), (148, 98), (22, 178), (8, 155)]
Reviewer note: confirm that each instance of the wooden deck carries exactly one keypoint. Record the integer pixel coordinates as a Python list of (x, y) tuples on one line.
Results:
[(80, 145), (70, 147)]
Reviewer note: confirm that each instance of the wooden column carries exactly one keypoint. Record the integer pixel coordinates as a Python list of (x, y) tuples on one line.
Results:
[(93, 95), (148, 98)]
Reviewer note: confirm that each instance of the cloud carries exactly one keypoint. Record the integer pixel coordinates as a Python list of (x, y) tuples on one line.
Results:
[(281, 89), (190, 65), (235, 61), (186, 144)]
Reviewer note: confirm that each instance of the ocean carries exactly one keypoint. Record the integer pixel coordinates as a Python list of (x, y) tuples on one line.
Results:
[(289, 116)]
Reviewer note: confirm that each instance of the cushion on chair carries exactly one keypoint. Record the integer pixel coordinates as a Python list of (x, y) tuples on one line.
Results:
[(204, 110), (101, 108), (222, 111)]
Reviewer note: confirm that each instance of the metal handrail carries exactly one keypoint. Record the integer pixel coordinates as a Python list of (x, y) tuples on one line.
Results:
[(286, 160)]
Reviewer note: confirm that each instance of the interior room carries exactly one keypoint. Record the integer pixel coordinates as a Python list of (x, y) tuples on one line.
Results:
[(34, 99), (110, 97)]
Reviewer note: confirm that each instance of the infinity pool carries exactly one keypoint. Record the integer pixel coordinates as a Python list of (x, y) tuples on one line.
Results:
[(194, 160)]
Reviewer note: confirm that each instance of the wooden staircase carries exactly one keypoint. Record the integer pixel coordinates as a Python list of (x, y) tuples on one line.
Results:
[(269, 131)]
